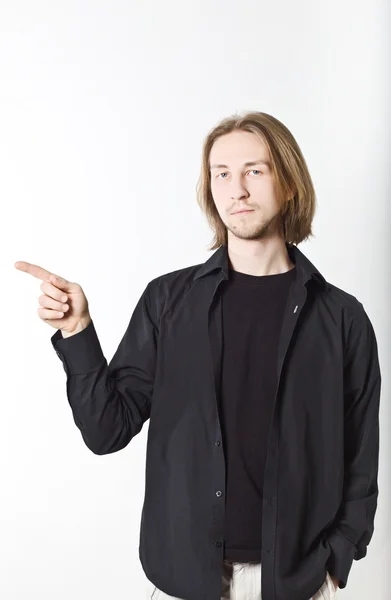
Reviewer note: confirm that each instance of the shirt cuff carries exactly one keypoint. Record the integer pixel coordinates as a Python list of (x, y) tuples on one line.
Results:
[(341, 558), (79, 353)]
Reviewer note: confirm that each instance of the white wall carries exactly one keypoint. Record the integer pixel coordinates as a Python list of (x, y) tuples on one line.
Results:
[(103, 110)]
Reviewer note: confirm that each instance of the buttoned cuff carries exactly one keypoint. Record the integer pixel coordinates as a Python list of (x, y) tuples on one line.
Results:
[(79, 353)]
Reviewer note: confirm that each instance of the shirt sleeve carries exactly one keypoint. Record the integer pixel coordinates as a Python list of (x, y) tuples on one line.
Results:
[(111, 402), (362, 386)]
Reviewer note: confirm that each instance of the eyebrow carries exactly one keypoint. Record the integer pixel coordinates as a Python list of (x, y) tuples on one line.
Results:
[(247, 164)]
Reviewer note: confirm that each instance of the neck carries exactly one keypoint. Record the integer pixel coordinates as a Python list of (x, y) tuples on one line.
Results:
[(259, 257)]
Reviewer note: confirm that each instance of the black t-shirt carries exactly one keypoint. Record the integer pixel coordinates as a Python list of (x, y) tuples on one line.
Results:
[(253, 308)]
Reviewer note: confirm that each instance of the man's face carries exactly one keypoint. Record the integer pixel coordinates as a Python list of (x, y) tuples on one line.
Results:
[(240, 187)]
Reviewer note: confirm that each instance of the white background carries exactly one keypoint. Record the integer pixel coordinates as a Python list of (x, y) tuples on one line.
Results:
[(103, 110)]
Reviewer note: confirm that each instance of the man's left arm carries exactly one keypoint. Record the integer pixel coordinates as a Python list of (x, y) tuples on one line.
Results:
[(354, 526)]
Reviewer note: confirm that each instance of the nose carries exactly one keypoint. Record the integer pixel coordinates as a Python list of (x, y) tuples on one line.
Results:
[(238, 189), (239, 198), (241, 195)]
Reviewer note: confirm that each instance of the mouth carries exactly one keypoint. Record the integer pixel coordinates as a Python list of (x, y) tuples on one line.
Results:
[(239, 212)]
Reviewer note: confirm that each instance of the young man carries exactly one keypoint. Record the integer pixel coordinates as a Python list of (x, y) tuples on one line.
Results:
[(261, 381)]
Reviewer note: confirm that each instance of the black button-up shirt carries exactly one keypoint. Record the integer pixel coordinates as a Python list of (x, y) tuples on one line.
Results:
[(320, 482)]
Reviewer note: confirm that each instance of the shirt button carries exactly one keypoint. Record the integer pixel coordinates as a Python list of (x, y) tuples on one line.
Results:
[(217, 443), (218, 494), (218, 544)]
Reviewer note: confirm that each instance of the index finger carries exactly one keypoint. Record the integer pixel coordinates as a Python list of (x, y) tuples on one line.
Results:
[(34, 270)]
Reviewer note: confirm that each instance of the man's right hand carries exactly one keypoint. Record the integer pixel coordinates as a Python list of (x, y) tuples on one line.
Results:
[(59, 295)]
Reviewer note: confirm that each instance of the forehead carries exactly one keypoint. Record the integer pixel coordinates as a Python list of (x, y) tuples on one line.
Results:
[(238, 147)]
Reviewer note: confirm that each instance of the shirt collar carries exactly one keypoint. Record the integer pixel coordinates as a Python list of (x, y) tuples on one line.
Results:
[(305, 269)]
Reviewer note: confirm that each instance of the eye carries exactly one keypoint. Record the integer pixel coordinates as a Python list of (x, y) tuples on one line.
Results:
[(225, 172)]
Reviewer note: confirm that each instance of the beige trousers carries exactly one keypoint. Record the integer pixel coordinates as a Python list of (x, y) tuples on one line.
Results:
[(242, 581)]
